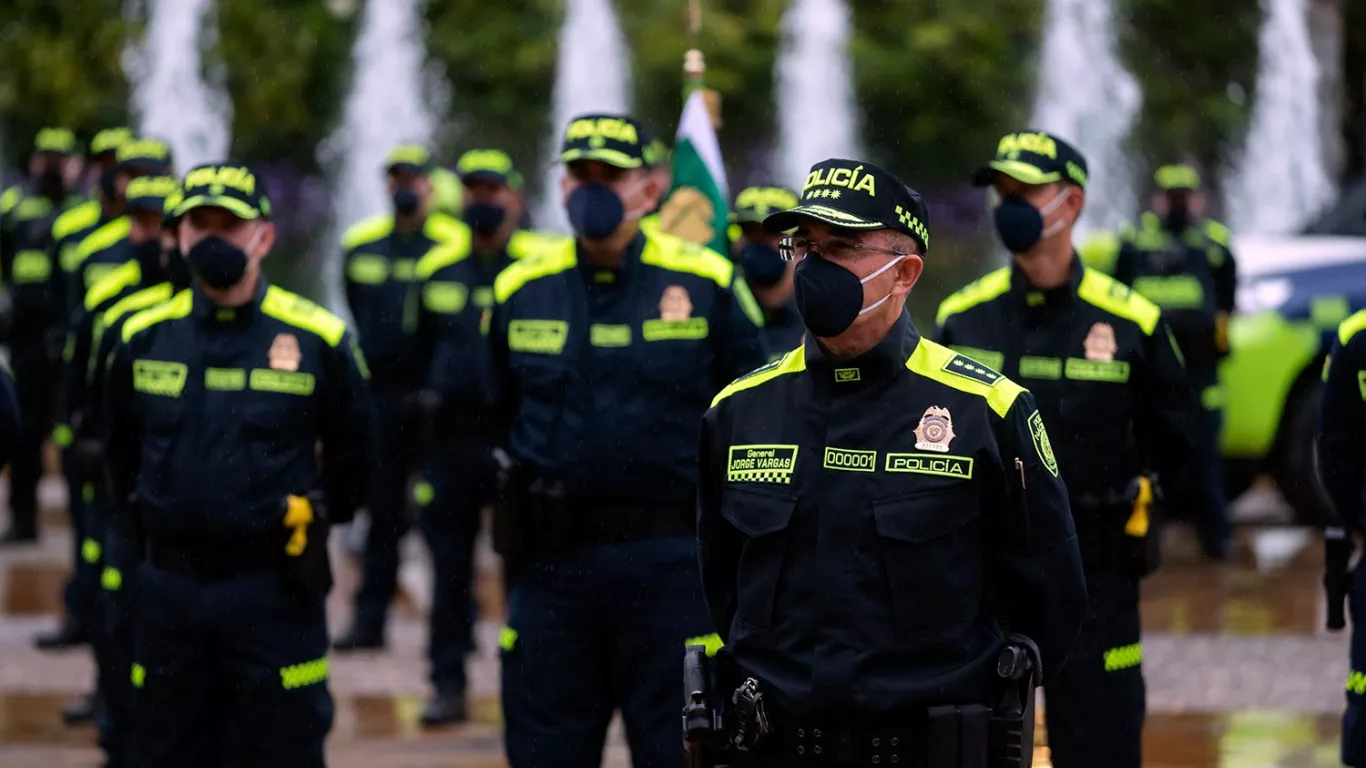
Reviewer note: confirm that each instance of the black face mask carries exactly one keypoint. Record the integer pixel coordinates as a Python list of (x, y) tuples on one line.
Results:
[(109, 184), (50, 184), (148, 256), (406, 201), (830, 297), (595, 211), (763, 265), (217, 263), (1178, 217), (484, 218), (1019, 224)]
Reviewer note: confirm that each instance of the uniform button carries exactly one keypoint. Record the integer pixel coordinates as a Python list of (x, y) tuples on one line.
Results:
[(895, 741), (801, 750), (896, 759), (800, 733), (816, 733), (817, 749), (876, 760), (877, 742)]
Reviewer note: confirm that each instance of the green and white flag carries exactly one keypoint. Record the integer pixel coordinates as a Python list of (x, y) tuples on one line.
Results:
[(698, 206)]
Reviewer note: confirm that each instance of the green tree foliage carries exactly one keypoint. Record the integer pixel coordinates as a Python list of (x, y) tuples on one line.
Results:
[(61, 67), (288, 67)]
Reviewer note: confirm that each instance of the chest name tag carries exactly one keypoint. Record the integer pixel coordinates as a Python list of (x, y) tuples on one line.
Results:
[(283, 382), (849, 460), (225, 379), (669, 330), (930, 464), (157, 377), (1116, 371), (761, 463), (367, 269), (542, 337), (1040, 367), (609, 335), (971, 369)]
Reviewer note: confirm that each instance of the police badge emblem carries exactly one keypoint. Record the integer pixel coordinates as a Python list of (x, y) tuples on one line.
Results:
[(935, 431), (675, 305), (284, 353), (1100, 343)]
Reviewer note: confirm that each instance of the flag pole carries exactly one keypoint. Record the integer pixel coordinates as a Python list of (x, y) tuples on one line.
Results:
[(695, 66)]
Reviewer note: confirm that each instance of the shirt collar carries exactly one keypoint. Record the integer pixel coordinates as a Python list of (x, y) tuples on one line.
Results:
[(877, 364), (1036, 299), (205, 310), (612, 275)]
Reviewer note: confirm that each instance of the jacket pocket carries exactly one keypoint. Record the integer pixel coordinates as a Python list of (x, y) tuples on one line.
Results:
[(762, 517), (931, 551)]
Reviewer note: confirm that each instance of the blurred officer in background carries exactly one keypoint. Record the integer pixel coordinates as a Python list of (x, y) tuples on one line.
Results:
[(380, 257), (9, 416), (1180, 260), (32, 283), (217, 403), (1342, 469), (1108, 379), (104, 205), (874, 507), (446, 191), (764, 268), (605, 353)]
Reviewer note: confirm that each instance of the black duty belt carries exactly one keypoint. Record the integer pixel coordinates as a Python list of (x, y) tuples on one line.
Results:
[(215, 560), (941, 737), (558, 523)]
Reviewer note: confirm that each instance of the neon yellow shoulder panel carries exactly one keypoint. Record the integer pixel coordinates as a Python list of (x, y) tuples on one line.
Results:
[(678, 255), (549, 262), (367, 231), (137, 301), (1217, 232), (102, 238), (1116, 298), (1101, 251), (69, 222), (443, 254), (107, 287), (11, 198), (792, 362), (526, 242), (1352, 326), (174, 309), (935, 362), (984, 289), (299, 312), (442, 228)]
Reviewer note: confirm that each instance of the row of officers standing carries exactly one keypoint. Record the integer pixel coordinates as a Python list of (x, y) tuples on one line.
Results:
[(856, 526)]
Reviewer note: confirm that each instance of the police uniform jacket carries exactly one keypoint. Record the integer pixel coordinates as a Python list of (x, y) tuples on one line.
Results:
[(214, 415), (1342, 427), (1108, 379), (783, 328), (94, 257), (26, 265), (865, 526), (603, 374), (383, 293)]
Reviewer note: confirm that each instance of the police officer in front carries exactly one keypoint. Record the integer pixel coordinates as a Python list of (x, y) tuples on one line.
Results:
[(1109, 382), (1342, 469), (605, 351), (217, 403), (380, 256), (1180, 259), (876, 511), (766, 272)]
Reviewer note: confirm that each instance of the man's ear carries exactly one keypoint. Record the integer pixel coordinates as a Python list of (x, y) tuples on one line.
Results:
[(907, 275), (1076, 203), (266, 240)]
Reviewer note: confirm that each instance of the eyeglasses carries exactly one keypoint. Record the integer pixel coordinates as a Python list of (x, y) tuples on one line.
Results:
[(835, 248)]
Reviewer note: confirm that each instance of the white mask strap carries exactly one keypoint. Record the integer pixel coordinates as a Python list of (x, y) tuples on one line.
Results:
[(1053, 204), (880, 301)]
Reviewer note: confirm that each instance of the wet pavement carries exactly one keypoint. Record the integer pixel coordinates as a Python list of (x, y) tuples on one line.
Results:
[(1240, 672)]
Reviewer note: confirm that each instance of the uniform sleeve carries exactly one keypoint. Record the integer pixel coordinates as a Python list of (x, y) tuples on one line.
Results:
[(718, 548), (9, 417), (123, 427), (1166, 412), (1342, 430), (1226, 282), (348, 448), (739, 344), (1033, 542)]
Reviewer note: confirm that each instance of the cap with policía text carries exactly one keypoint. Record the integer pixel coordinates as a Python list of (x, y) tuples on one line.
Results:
[(1177, 176), (145, 155), (1034, 157), (56, 141), (492, 165), (413, 158), (616, 140), (856, 195), (228, 186), (109, 140), (149, 193), (754, 204)]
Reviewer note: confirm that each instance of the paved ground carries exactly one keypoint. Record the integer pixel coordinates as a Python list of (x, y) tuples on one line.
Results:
[(1240, 673)]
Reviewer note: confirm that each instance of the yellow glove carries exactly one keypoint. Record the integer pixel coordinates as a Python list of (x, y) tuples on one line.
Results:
[(1138, 521), (298, 516)]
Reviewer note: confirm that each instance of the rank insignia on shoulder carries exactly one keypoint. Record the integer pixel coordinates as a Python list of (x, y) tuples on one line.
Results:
[(971, 369), (935, 430)]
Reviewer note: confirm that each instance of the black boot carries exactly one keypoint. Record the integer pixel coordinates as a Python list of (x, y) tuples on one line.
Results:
[(68, 635), (445, 709), (360, 638), (81, 711)]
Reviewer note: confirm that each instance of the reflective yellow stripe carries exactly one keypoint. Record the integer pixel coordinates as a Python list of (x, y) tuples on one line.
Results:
[(159, 377), (423, 493), (1356, 682), (367, 269), (986, 357), (933, 361), (610, 335), (1040, 367), (404, 269), (1173, 292), (108, 234), (982, 290), (483, 297), (30, 267), (367, 231), (445, 298), (307, 673), (1351, 327), (545, 337), (283, 382), (712, 643), (507, 638), (111, 579), (225, 379), (138, 674), (1115, 371), (174, 309), (792, 362), (300, 312), (1116, 298), (665, 330), (1123, 657), (115, 280), (90, 550), (748, 305), (551, 261)]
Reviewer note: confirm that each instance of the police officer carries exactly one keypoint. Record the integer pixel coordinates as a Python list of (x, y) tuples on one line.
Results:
[(380, 256), (461, 476), (1103, 368), (27, 274), (9, 416), (605, 352), (1180, 260), (765, 270), (217, 402), (864, 504)]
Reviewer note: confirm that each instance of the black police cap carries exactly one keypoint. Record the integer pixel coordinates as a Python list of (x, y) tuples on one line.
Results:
[(857, 195), (1034, 157)]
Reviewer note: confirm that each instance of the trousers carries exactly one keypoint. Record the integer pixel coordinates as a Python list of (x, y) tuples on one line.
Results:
[(395, 460)]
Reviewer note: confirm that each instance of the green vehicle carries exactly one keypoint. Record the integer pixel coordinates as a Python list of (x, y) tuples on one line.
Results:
[(1293, 291)]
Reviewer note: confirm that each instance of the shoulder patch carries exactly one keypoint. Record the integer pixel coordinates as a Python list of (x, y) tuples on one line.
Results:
[(678, 255), (962, 365), (108, 287), (792, 362), (1217, 232), (981, 290), (442, 255), (526, 242), (105, 237), (10, 198), (441, 228), (1109, 294), (549, 262), (367, 231), (1042, 445), (941, 364), (176, 308), (301, 313), (69, 222), (138, 300)]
